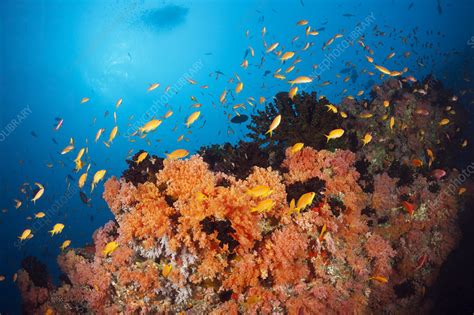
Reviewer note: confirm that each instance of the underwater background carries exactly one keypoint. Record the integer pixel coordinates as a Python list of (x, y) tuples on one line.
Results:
[(53, 54)]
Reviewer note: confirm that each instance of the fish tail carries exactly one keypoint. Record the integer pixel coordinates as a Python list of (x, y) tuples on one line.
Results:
[(327, 137)]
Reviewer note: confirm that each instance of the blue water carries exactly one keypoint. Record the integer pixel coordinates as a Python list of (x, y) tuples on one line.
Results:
[(54, 53)]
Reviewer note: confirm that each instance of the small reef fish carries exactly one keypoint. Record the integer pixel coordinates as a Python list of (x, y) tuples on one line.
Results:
[(153, 86), (305, 200), (287, 55), (177, 154), (272, 47), (192, 118), (263, 206), (301, 80), (25, 235), (444, 122), (118, 103), (141, 157), (39, 193), (110, 247), (40, 215), (292, 92), (332, 108), (65, 244), (97, 178), (113, 134), (438, 173), (382, 69), (57, 228), (260, 191), (18, 203), (167, 268), (296, 147), (380, 279), (409, 207), (84, 100), (275, 123), (82, 180), (367, 138), (150, 126), (334, 134), (239, 87)]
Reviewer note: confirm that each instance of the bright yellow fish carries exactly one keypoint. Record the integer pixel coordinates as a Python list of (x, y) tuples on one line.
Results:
[(334, 134), (275, 123)]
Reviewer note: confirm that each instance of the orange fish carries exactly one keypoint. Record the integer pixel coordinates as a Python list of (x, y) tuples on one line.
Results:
[(409, 207)]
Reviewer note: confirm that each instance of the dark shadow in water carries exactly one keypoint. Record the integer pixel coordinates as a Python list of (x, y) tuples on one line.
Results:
[(165, 18)]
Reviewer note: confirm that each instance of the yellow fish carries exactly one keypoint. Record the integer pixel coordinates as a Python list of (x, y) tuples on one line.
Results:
[(153, 86), (279, 76), (367, 138), (177, 154), (272, 47), (382, 69), (366, 115), (332, 108), (165, 272), (110, 247), (80, 154), (302, 22), (301, 80), (239, 87), (168, 114), (65, 244), (379, 279), (392, 122), (113, 133), (99, 133), (292, 92), (322, 233), (222, 97), (296, 147), (25, 235), (386, 103), (150, 126), (192, 118), (275, 123), (305, 200), (289, 69), (97, 178), (57, 228), (39, 193), (444, 121), (263, 206), (141, 157), (334, 134), (118, 103), (68, 149), (82, 180), (40, 215), (84, 100), (343, 114), (260, 191), (287, 55), (369, 59), (390, 56)]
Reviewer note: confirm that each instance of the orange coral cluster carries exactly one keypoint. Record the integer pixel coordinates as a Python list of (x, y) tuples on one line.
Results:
[(225, 258)]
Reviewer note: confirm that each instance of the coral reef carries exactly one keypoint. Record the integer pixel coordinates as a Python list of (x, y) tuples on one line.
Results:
[(189, 238)]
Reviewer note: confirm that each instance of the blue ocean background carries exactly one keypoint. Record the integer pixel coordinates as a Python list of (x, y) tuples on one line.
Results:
[(54, 53)]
